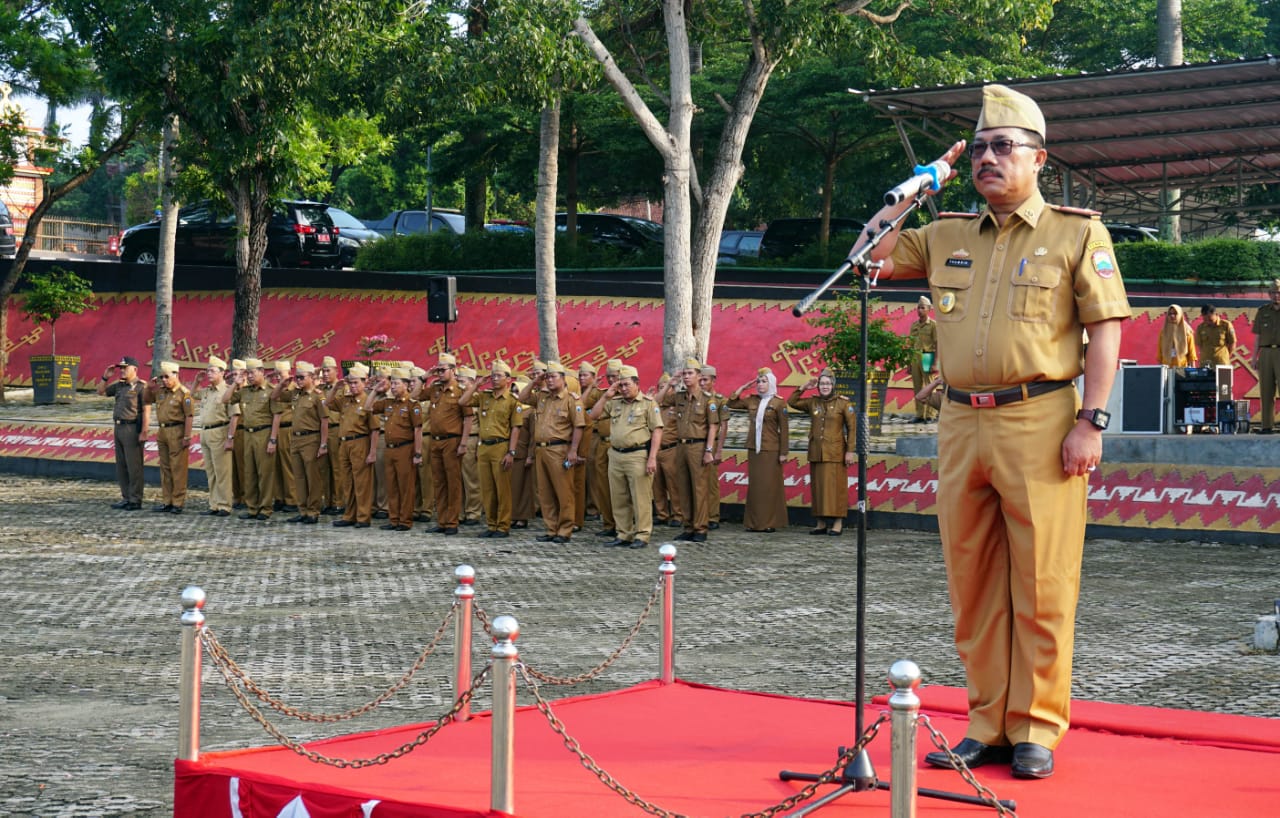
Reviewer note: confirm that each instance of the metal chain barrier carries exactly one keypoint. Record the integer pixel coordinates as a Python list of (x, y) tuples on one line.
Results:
[(988, 797), (831, 776), (482, 617), (220, 658), (600, 668), (357, 763)]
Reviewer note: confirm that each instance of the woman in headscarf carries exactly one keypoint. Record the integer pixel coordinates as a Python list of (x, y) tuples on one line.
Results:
[(766, 506), (833, 438), (1177, 339)]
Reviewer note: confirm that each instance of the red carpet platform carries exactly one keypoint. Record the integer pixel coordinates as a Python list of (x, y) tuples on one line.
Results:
[(704, 751)]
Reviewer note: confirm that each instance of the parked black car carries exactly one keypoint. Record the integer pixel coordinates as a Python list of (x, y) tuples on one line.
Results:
[(736, 244), (615, 230), (8, 245), (1121, 233), (301, 234), (784, 238), (352, 235), (411, 222)]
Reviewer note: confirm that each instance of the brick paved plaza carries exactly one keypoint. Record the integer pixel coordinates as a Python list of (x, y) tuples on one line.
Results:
[(89, 643)]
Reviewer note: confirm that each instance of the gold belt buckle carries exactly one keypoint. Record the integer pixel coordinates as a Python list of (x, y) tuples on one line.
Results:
[(982, 400)]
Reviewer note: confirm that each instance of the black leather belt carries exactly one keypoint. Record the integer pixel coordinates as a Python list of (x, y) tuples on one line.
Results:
[(1000, 397), (630, 449), (443, 437), (255, 428), (216, 425), (306, 432), (489, 441), (667, 446), (1271, 346), (398, 445), (119, 421), (286, 425), (172, 424), (701, 440), (547, 443), (345, 438)]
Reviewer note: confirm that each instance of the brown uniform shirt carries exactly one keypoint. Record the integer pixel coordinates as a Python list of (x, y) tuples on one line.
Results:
[(1266, 325), (284, 406), (353, 418), (601, 426), (776, 429), (309, 409), (1012, 302), (632, 421), (555, 417), (519, 419), (495, 413), (923, 336), (400, 416), (833, 426), (172, 405), (128, 397), (695, 415), (256, 406), (444, 413), (1215, 341)]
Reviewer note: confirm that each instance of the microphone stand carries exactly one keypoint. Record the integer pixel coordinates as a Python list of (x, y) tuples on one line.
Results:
[(859, 775)]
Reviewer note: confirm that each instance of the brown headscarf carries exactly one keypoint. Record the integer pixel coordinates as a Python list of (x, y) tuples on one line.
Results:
[(1177, 340)]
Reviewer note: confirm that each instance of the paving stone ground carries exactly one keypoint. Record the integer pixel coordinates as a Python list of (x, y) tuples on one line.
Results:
[(89, 630)]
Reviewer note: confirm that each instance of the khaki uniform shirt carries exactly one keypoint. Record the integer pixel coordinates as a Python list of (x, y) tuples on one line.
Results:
[(519, 417), (923, 336), (555, 417), (172, 405), (284, 406), (600, 426), (128, 399), (695, 415), (833, 426), (309, 409), (400, 416), (353, 418), (1215, 342), (632, 422), (256, 406), (496, 413), (212, 410), (1011, 302), (444, 413), (1266, 325)]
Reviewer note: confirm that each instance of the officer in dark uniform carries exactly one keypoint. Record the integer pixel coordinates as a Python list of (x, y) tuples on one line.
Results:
[(131, 417)]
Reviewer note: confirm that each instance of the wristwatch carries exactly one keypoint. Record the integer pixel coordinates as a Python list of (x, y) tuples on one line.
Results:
[(511, 452), (1098, 417)]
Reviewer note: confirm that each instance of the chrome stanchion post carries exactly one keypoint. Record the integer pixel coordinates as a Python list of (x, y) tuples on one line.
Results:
[(505, 655), (189, 674), (668, 572), (464, 593), (904, 675)]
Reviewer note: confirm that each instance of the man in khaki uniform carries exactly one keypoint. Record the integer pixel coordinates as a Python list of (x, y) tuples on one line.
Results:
[(402, 427), (217, 437), (1014, 287), (424, 500), (258, 419), (922, 340), (598, 463), (448, 422), (588, 393), (234, 376), (1266, 352), (697, 424), (494, 408), (281, 379), (472, 497), (174, 414), (666, 509), (1215, 337), (358, 430), (309, 450), (707, 380), (131, 417), (329, 375), (522, 477), (635, 436), (557, 420)]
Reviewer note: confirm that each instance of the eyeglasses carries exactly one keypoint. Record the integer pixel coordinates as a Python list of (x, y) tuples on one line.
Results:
[(299, 377), (1002, 147)]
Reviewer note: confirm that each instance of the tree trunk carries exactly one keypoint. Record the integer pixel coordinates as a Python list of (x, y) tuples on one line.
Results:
[(1169, 52), (476, 185), (573, 158), (680, 324), (253, 208), (162, 343), (544, 235)]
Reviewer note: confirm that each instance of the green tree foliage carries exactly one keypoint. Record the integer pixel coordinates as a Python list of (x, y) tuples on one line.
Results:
[(53, 294)]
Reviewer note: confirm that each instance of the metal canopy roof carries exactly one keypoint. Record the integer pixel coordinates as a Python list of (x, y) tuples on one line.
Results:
[(1118, 140)]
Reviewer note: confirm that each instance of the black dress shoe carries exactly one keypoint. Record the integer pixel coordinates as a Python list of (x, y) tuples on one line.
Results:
[(608, 532), (674, 524), (309, 520), (1032, 760), (637, 544), (248, 516), (558, 540), (544, 538), (278, 505), (222, 512), (499, 535), (330, 510), (213, 512), (387, 527), (471, 522), (401, 527), (380, 515), (297, 518), (835, 533), (714, 526), (616, 543), (422, 517), (175, 509), (451, 530), (289, 507), (484, 535), (133, 507), (698, 538), (438, 530), (973, 753), (820, 532), (685, 537), (263, 516), (238, 506), (520, 524), (159, 508), (122, 504), (343, 523), (362, 525)]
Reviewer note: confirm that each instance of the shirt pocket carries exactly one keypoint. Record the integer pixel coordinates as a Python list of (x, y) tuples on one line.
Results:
[(953, 288), (1034, 292)]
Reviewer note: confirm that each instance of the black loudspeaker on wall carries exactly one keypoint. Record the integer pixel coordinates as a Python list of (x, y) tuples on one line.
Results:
[(442, 299)]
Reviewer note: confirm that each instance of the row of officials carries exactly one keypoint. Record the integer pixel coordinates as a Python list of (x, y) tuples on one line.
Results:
[(407, 444)]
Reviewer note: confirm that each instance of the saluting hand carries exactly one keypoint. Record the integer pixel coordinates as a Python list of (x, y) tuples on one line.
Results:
[(809, 384)]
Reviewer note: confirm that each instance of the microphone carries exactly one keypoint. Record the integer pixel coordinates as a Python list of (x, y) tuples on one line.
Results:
[(928, 177)]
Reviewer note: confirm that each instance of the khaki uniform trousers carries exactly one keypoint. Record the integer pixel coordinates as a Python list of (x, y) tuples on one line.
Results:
[(285, 491), (632, 493), (380, 475), (308, 474), (690, 489), (602, 484), (424, 502), (357, 476), (664, 484), (918, 379), (128, 461), (713, 493), (555, 489), (579, 473), (401, 483), (174, 459), (334, 491), (259, 478), (446, 477), (495, 486), (522, 480), (237, 467), (472, 500), (1012, 527), (1268, 382), (218, 464)]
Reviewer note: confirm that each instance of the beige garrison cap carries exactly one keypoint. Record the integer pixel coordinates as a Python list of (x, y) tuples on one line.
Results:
[(693, 363), (170, 368), (282, 367), (1003, 107), (215, 361), (254, 363), (556, 366), (625, 371), (447, 359), (924, 302), (709, 371), (499, 367), (236, 363), (358, 370), (330, 362), (588, 367), (613, 366), (304, 368), (466, 372), (399, 372), (417, 372)]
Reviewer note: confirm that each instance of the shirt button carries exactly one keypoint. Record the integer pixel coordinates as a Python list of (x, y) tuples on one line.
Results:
[(999, 246), (978, 353)]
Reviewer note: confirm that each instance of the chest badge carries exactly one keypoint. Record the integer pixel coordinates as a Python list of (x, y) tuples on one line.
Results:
[(947, 302), (1042, 251)]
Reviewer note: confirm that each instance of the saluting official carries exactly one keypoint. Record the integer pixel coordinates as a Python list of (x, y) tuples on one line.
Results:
[(558, 420), (522, 476), (697, 424), (309, 449), (494, 407), (217, 436), (588, 394), (402, 427), (281, 378), (358, 430), (424, 499), (472, 498), (598, 462), (258, 418), (666, 509), (833, 438), (174, 414), (234, 376), (130, 417), (707, 379), (635, 436), (446, 418), (328, 376)]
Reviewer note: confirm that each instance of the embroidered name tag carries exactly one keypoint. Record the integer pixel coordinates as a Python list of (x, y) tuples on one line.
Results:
[(959, 262)]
